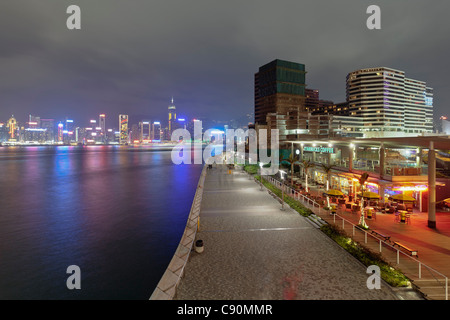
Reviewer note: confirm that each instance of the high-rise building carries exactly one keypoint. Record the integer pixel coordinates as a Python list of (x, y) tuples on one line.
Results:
[(12, 128), (279, 88), (135, 133), (388, 102), (49, 124), (445, 125), (123, 128), (145, 130), (34, 122), (60, 132), (3, 132), (311, 99), (102, 123), (172, 117), (156, 131), (280, 99)]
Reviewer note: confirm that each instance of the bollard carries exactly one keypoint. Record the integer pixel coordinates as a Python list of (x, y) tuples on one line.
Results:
[(199, 246)]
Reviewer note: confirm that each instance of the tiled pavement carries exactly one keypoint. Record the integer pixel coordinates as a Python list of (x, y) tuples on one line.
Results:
[(253, 250)]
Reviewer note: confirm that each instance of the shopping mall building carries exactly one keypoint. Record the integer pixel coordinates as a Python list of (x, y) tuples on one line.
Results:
[(395, 165)]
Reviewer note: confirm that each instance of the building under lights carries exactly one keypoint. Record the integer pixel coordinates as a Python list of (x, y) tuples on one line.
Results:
[(172, 117), (123, 128), (445, 125), (156, 133), (102, 123), (395, 165), (12, 129), (388, 103)]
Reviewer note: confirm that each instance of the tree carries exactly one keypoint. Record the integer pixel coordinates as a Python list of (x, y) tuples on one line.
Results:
[(327, 169), (362, 181), (307, 164), (292, 161)]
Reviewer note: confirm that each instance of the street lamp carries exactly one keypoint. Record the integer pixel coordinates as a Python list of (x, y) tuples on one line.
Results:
[(260, 173), (282, 189)]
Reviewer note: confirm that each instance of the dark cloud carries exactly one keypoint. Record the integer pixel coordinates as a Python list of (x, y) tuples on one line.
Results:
[(132, 56)]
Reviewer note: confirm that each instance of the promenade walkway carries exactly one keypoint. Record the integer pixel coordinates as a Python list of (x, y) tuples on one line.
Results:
[(253, 250)]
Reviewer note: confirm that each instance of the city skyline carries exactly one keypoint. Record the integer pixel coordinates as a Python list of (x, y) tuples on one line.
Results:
[(135, 57)]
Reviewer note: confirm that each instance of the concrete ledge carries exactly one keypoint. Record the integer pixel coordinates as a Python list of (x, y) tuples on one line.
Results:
[(167, 286)]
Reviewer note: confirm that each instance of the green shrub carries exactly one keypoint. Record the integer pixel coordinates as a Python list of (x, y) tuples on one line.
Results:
[(294, 204), (366, 256), (251, 168)]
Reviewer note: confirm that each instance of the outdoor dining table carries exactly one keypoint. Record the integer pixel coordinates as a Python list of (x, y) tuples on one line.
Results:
[(402, 215)]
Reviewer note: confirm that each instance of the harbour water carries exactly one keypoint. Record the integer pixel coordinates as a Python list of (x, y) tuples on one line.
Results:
[(116, 212)]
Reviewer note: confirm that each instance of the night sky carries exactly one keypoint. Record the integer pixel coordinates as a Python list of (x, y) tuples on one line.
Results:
[(132, 56)]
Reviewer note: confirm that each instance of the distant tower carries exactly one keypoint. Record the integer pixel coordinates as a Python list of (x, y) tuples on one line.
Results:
[(102, 122), (60, 132), (172, 117), (12, 127), (123, 127)]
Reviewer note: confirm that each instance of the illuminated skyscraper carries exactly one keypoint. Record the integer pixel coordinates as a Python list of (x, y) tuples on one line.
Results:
[(34, 122), (60, 132), (12, 128), (123, 125), (280, 89), (156, 131), (389, 102), (172, 117), (49, 124), (144, 130), (102, 123)]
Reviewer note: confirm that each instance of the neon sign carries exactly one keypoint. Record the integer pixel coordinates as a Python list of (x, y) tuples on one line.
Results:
[(319, 149)]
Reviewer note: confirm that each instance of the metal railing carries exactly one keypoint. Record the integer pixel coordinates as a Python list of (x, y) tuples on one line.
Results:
[(315, 207)]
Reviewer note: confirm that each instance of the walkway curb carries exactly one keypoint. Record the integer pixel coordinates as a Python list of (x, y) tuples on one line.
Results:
[(167, 286)]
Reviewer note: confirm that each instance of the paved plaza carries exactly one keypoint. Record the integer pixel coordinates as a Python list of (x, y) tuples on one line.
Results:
[(254, 250)]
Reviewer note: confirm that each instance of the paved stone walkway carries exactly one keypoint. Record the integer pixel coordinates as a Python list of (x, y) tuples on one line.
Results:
[(253, 250)]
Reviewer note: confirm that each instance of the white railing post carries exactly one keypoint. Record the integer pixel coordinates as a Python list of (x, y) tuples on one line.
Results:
[(446, 288), (398, 256), (420, 270), (365, 237)]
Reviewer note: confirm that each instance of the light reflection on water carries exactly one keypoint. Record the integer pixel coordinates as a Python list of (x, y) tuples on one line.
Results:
[(117, 213)]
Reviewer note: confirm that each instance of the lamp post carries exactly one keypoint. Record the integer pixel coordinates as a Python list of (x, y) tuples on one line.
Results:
[(282, 189), (260, 173)]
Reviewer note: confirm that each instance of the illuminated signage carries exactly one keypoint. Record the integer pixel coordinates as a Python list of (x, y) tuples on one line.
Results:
[(411, 188), (319, 149)]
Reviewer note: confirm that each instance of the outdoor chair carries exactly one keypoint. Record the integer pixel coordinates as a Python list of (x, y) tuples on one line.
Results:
[(396, 217), (408, 218)]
